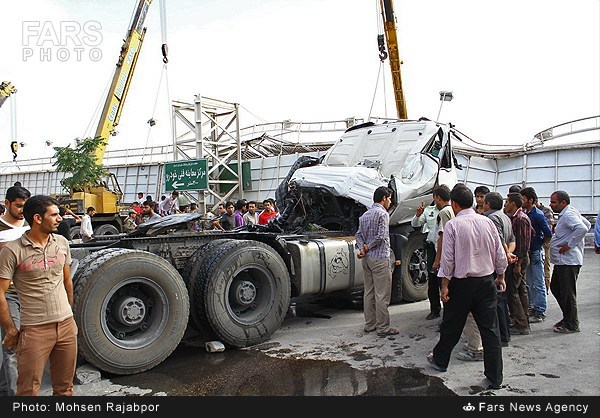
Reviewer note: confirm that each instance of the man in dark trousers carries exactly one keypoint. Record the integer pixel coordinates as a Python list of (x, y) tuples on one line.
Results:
[(472, 252), (425, 217), (492, 208), (373, 243), (566, 253), (518, 295)]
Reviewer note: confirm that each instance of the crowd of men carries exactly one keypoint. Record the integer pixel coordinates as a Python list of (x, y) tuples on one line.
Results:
[(489, 262), (225, 216), (488, 276)]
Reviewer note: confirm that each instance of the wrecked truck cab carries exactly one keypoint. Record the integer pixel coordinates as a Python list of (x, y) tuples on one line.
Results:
[(410, 157), (331, 193)]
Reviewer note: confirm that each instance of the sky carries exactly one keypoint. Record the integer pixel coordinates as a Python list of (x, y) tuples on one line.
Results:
[(515, 67)]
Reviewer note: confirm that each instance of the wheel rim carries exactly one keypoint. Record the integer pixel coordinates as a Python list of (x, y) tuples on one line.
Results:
[(76, 234), (250, 294), (135, 312), (418, 267)]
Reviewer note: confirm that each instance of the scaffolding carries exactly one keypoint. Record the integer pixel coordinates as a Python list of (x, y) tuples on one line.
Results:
[(209, 129)]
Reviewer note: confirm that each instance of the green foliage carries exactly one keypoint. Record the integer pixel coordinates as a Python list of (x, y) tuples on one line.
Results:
[(80, 161)]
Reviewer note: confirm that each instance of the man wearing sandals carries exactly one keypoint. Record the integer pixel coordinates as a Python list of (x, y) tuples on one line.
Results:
[(373, 243), (566, 253)]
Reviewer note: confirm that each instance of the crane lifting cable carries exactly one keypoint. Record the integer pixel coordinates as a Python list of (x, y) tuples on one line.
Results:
[(164, 75), (163, 30), (382, 57), (389, 29)]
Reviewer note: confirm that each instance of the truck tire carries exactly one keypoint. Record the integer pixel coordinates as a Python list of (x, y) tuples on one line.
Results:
[(132, 310), (75, 232), (190, 273), (242, 292), (83, 263), (106, 229), (414, 269)]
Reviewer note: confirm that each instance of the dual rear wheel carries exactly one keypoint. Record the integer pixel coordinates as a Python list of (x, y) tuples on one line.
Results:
[(132, 307)]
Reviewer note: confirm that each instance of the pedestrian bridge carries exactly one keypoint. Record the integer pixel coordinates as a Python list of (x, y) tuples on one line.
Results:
[(566, 156)]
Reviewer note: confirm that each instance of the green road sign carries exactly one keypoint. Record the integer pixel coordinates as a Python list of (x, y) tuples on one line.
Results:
[(186, 175)]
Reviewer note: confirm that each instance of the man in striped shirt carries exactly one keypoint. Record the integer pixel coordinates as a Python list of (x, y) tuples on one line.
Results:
[(373, 243), (518, 295), (471, 253)]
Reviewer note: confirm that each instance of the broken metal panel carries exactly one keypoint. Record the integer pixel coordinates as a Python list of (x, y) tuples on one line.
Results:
[(356, 183), (385, 145), (414, 185)]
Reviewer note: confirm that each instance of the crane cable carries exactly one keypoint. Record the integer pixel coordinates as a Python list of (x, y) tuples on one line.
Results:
[(165, 50), (100, 103), (375, 90), (382, 57), (151, 122)]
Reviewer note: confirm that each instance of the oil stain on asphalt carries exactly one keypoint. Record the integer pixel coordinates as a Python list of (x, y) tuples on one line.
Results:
[(191, 371)]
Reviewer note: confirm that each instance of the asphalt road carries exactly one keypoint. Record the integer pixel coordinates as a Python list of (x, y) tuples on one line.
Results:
[(326, 352), (543, 363)]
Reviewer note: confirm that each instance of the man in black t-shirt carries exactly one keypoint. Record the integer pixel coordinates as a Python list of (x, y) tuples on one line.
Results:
[(64, 227), (226, 222)]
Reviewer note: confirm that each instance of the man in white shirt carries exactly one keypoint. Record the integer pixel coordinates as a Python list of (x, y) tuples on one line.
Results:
[(425, 217), (12, 226), (566, 253), (87, 231), (251, 216), (170, 205)]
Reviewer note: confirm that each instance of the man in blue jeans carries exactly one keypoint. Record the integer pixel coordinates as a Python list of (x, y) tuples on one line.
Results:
[(536, 280)]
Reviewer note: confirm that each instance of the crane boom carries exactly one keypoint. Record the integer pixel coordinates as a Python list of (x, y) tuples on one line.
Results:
[(113, 106), (6, 89), (389, 25)]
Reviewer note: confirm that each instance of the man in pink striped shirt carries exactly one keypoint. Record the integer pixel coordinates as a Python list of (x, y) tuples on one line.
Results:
[(471, 253)]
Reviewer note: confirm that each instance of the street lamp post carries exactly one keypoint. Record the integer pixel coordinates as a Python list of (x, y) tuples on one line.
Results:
[(445, 96)]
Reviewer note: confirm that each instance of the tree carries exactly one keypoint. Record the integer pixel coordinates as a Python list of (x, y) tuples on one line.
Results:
[(81, 162)]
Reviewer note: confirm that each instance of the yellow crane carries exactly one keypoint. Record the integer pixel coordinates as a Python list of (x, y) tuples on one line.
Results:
[(106, 197), (121, 81), (391, 39), (6, 89)]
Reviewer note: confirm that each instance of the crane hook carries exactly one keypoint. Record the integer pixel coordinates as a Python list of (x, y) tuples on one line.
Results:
[(14, 147), (382, 52), (165, 50)]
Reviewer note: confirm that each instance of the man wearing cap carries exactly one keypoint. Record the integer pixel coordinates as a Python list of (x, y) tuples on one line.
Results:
[(130, 224)]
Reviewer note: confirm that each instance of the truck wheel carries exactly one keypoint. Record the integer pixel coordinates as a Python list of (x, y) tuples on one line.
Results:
[(190, 273), (85, 261), (106, 229), (75, 232), (414, 269), (243, 292), (131, 308)]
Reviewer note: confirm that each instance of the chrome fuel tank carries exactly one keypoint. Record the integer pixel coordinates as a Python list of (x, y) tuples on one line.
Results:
[(324, 265)]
